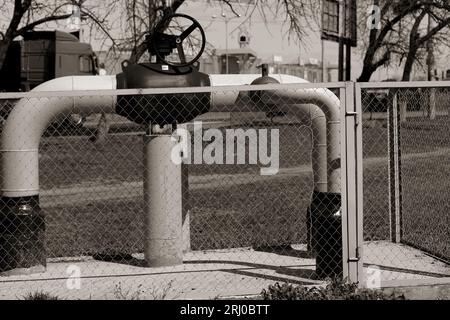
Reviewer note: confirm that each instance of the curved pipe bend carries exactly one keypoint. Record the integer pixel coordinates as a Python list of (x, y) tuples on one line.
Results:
[(323, 108), (29, 119), (330, 106)]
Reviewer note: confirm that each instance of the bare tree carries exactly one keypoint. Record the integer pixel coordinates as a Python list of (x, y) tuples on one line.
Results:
[(440, 13), (137, 18), (14, 29), (384, 34), (25, 15), (396, 36), (140, 16)]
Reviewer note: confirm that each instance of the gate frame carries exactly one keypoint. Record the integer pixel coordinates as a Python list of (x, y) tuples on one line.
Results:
[(394, 114), (351, 183)]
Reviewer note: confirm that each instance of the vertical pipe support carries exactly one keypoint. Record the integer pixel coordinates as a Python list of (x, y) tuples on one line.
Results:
[(22, 222), (163, 202)]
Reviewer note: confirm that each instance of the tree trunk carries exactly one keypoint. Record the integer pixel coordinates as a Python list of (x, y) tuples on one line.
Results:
[(4, 47), (409, 64), (366, 73)]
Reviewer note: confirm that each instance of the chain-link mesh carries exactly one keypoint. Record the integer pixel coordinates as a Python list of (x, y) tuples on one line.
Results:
[(244, 229), (406, 149)]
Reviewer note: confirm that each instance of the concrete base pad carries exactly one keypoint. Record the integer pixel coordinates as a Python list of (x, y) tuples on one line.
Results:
[(208, 274), (23, 271)]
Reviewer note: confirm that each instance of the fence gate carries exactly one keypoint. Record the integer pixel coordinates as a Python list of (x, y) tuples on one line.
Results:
[(406, 151)]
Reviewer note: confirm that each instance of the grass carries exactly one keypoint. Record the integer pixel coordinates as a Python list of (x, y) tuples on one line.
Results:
[(119, 293), (335, 289), (140, 293), (257, 213), (40, 295)]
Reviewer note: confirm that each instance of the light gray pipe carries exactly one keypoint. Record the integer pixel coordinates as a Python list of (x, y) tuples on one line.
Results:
[(330, 106), (315, 117), (308, 114), (29, 119), (319, 105)]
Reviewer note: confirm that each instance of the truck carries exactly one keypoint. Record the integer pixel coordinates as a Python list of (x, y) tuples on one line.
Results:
[(44, 55)]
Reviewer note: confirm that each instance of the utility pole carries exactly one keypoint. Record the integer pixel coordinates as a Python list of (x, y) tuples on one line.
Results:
[(339, 25), (348, 35), (324, 67), (430, 63), (341, 39), (226, 42), (226, 20), (430, 57)]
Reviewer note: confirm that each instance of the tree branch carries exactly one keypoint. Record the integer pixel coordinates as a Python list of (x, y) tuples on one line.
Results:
[(32, 25)]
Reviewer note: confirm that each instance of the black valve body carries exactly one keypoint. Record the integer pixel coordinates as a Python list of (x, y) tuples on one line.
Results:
[(164, 108)]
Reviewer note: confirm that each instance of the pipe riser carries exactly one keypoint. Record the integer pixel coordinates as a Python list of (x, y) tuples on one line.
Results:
[(20, 173), (163, 203), (324, 230)]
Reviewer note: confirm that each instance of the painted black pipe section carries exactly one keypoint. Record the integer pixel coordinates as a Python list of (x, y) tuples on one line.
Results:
[(324, 232), (22, 234)]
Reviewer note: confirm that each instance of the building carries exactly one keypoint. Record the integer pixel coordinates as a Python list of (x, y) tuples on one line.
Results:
[(240, 61), (311, 70)]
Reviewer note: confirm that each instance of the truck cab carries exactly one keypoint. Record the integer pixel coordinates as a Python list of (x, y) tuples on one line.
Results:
[(52, 54), (45, 55)]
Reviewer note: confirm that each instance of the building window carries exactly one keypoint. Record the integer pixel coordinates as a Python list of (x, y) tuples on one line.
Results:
[(330, 17)]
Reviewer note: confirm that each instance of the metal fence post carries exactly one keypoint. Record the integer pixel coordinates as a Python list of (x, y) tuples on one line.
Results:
[(359, 183), (394, 150), (344, 194), (403, 110), (351, 183), (432, 104)]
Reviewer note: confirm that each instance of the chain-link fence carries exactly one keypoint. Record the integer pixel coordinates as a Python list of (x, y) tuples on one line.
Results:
[(100, 206), (406, 149), (260, 192)]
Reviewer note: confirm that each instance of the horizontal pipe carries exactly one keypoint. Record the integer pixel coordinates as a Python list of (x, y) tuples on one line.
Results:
[(220, 80), (229, 98), (30, 118)]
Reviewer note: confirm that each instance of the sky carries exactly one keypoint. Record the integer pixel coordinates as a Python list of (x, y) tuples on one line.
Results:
[(271, 38), (267, 39)]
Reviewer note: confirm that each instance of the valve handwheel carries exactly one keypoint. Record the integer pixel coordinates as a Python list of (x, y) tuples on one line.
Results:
[(162, 44)]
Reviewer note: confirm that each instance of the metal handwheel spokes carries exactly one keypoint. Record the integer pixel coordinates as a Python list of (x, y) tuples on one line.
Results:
[(181, 43)]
